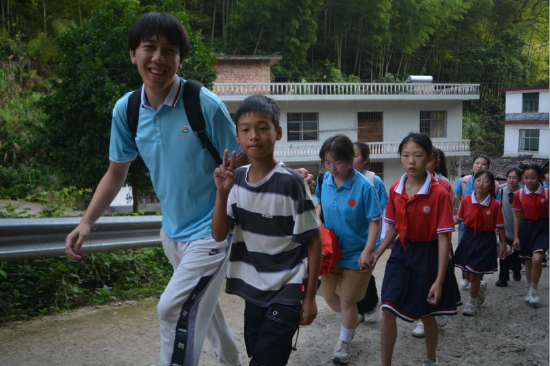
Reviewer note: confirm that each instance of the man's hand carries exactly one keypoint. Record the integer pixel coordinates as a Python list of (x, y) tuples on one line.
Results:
[(308, 311), (75, 239)]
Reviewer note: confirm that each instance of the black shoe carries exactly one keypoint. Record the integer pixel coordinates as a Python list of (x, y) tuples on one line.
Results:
[(500, 283), (517, 276)]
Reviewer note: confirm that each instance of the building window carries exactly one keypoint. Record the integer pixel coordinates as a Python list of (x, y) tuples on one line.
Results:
[(303, 126), (530, 102), (433, 123), (377, 168), (370, 127), (529, 140)]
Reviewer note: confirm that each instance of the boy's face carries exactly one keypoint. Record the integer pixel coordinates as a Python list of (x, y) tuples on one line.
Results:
[(257, 135), (157, 62)]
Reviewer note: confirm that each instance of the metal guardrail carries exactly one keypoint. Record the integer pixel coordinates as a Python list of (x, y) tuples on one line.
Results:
[(40, 238)]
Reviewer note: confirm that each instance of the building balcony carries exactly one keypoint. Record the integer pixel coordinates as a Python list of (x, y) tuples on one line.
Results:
[(347, 91), (379, 150)]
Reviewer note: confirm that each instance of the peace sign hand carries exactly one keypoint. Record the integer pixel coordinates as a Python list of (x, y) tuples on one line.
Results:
[(223, 175)]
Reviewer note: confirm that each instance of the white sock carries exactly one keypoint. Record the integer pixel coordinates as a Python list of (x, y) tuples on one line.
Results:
[(534, 286), (473, 300), (346, 334)]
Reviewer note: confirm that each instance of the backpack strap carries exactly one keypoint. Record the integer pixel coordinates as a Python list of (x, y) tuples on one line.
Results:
[(370, 175), (320, 178), (501, 195), (464, 183), (132, 111), (192, 105)]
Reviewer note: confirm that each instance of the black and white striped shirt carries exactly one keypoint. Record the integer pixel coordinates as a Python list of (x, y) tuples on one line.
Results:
[(274, 219)]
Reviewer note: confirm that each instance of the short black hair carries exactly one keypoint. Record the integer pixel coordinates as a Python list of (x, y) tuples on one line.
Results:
[(421, 139), (365, 152), (340, 147), (534, 167), (545, 170), (484, 157), (162, 25), (259, 104), (491, 179), (442, 168), (515, 170)]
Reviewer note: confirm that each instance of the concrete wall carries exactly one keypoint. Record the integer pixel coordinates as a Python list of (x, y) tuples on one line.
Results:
[(514, 100), (511, 140)]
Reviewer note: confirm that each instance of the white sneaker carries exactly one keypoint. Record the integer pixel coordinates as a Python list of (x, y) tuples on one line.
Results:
[(372, 315), (429, 362), (482, 293), (469, 309), (535, 299), (419, 330), (341, 353), (528, 296), (441, 320), (464, 283)]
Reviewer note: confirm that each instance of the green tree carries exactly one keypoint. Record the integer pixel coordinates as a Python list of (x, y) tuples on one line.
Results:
[(95, 70)]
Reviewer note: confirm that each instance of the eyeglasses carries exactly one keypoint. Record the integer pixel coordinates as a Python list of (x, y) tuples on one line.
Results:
[(481, 181), (510, 197)]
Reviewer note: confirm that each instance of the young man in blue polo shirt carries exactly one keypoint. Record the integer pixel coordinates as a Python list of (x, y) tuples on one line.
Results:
[(181, 173)]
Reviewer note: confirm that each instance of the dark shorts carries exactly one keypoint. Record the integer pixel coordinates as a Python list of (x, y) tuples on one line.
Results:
[(477, 252), (533, 237), (268, 333)]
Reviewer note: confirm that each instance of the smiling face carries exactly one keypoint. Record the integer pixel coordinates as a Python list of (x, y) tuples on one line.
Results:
[(257, 135), (531, 179), (157, 62), (415, 159)]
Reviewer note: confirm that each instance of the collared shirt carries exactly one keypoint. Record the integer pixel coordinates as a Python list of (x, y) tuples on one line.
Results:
[(348, 210), (533, 205), (181, 170), (507, 213), (444, 183), (491, 214), (428, 216), (274, 220), (470, 187)]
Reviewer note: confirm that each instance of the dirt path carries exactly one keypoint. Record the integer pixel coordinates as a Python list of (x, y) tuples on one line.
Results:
[(506, 332)]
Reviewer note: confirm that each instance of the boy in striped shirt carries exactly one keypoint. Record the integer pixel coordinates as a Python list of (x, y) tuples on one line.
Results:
[(276, 251)]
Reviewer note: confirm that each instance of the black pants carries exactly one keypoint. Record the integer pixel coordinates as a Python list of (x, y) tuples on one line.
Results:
[(268, 333), (371, 298), (511, 263)]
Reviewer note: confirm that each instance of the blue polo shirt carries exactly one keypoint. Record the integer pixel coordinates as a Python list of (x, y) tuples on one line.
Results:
[(181, 170), (348, 210)]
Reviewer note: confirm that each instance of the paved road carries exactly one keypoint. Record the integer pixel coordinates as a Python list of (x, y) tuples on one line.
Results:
[(507, 332)]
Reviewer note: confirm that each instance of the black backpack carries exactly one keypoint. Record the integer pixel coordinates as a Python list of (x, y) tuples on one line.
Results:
[(192, 105)]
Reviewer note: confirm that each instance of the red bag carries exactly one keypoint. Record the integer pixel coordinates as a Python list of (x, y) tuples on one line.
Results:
[(332, 253)]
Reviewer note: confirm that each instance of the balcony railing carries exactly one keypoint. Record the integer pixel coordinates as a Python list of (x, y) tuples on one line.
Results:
[(376, 148), (344, 89)]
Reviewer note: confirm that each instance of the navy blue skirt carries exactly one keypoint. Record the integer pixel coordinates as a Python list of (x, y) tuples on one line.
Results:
[(477, 253), (533, 237), (408, 278)]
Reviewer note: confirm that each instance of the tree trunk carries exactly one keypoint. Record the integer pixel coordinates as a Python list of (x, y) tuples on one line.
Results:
[(259, 38), (213, 25), (44, 5)]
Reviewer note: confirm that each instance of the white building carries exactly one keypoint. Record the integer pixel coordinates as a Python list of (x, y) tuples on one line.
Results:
[(526, 121), (379, 114)]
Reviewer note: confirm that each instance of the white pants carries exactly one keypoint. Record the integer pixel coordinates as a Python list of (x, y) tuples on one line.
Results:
[(189, 309)]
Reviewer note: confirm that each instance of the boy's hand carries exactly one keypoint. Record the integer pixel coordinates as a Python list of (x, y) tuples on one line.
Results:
[(308, 311), (310, 180), (223, 175)]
